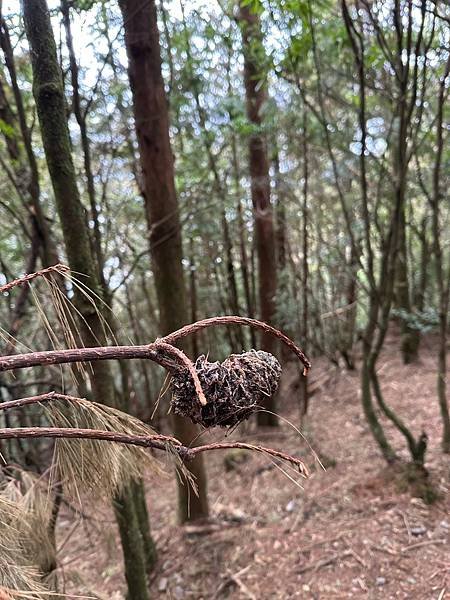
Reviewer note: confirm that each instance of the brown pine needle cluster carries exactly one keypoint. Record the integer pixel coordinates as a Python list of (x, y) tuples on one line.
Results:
[(101, 468), (27, 551)]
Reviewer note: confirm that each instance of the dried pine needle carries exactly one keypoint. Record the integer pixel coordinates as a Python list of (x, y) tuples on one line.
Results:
[(102, 468), (26, 548)]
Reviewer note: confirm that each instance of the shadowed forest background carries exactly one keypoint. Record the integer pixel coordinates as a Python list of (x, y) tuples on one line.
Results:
[(162, 163)]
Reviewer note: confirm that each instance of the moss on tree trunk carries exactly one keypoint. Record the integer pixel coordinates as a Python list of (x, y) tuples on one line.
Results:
[(51, 107)]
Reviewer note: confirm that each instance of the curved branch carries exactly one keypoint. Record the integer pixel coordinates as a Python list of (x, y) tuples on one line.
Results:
[(27, 278), (244, 446), (158, 442), (71, 355), (154, 351), (189, 366), (36, 400), (235, 320)]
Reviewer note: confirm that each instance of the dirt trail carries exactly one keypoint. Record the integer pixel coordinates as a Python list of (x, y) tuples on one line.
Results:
[(349, 531)]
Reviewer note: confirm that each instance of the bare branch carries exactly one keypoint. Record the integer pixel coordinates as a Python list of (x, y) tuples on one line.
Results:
[(147, 441), (235, 320), (155, 351), (191, 452), (57, 357), (27, 278), (158, 442), (35, 400), (189, 366)]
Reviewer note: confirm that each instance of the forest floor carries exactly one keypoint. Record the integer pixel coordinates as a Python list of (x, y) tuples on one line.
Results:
[(353, 530)]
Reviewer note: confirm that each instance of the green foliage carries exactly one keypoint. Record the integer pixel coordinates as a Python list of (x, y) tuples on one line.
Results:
[(243, 127), (85, 5), (256, 6), (299, 48), (6, 129), (423, 321)]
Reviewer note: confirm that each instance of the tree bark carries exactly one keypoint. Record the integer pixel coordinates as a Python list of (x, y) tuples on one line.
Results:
[(50, 102), (442, 269), (305, 267), (256, 95), (81, 116), (152, 128), (242, 240)]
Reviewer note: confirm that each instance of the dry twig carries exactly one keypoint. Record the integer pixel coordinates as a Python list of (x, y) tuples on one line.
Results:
[(158, 442), (315, 566), (59, 268), (235, 320)]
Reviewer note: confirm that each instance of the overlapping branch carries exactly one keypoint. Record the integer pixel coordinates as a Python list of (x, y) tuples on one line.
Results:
[(235, 320), (156, 351), (59, 268), (157, 442), (163, 352)]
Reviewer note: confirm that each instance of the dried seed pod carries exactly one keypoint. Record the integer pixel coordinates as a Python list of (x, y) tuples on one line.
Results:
[(234, 389)]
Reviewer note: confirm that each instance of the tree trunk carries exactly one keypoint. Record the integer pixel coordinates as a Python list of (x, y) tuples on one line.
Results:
[(50, 102), (410, 338), (132, 545), (405, 103), (138, 497), (442, 269), (351, 297), (193, 297), (81, 116), (242, 241), (255, 90), (305, 279), (281, 244), (152, 128), (48, 252), (381, 288), (137, 338)]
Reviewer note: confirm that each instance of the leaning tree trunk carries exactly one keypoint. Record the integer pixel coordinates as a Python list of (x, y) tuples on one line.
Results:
[(50, 102), (152, 128), (256, 95)]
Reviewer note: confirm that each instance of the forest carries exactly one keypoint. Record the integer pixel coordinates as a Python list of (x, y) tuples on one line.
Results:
[(224, 299)]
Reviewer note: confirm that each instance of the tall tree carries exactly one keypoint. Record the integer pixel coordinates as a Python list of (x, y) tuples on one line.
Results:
[(161, 203), (218, 188), (81, 112), (382, 278), (442, 262), (405, 65), (256, 96), (50, 102), (27, 163)]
